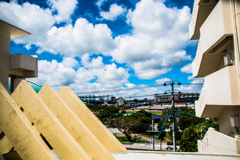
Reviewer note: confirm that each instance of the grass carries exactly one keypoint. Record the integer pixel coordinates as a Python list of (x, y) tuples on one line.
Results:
[(133, 111), (155, 112), (147, 135), (168, 136), (124, 140)]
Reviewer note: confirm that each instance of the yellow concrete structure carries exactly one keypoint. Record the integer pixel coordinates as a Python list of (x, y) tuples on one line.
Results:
[(217, 26), (5, 145), (19, 131), (47, 123), (90, 120), (74, 125)]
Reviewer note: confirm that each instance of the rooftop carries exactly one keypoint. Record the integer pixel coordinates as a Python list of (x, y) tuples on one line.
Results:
[(156, 155)]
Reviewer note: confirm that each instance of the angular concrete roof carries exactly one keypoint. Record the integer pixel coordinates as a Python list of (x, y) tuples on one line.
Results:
[(12, 30)]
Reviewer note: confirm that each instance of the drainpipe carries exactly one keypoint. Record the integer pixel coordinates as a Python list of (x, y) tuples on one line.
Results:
[(236, 36)]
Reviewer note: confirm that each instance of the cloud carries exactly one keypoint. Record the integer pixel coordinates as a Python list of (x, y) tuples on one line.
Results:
[(28, 46), (198, 81), (54, 73), (64, 8), (62, 73), (187, 68), (29, 17), (114, 11), (194, 86), (162, 80), (79, 39), (70, 62), (157, 42), (158, 39), (99, 3), (112, 75), (94, 63), (69, 40)]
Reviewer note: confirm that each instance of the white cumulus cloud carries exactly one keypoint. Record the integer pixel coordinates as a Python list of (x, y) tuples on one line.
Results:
[(79, 39), (29, 17), (157, 42), (63, 73), (114, 11), (64, 8), (187, 68), (54, 73), (70, 62), (99, 3), (94, 63), (162, 80), (69, 40)]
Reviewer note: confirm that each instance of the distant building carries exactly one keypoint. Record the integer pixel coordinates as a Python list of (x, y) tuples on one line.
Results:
[(162, 101), (216, 24), (120, 102), (179, 97)]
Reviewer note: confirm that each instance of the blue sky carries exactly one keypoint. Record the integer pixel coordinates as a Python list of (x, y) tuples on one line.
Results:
[(92, 45)]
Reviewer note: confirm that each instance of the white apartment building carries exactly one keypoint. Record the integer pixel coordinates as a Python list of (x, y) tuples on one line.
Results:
[(216, 24)]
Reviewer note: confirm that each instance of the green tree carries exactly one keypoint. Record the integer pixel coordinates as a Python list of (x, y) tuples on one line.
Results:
[(189, 139), (202, 127), (189, 128), (108, 114), (94, 107), (188, 142), (136, 122), (143, 119), (125, 124)]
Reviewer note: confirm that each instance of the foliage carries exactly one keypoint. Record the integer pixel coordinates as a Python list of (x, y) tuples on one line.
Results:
[(188, 128), (143, 120), (163, 134), (94, 107), (136, 122), (108, 114), (189, 139), (135, 139), (209, 122), (124, 124)]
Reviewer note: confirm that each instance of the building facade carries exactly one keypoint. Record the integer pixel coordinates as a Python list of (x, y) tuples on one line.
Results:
[(15, 66), (178, 97), (216, 24)]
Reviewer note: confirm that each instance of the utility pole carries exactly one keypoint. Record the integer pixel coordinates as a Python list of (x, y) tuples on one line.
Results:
[(173, 111), (153, 138), (153, 133)]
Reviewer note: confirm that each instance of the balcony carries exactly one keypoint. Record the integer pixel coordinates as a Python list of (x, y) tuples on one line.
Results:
[(201, 10), (23, 65), (220, 89), (216, 142), (216, 35)]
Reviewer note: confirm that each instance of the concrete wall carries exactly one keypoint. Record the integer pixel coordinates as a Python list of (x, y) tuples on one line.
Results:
[(4, 60)]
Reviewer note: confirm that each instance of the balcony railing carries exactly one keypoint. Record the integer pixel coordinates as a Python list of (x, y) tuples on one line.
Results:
[(216, 142), (216, 34), (220, 89), (23, 65)]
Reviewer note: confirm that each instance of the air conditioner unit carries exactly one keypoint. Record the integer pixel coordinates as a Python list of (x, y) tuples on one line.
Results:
[(227, 59), (234, 121)]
